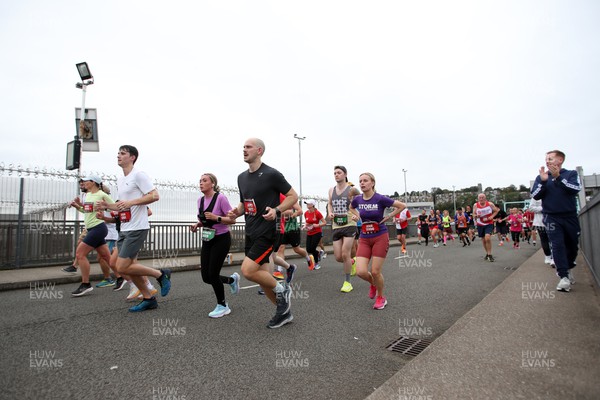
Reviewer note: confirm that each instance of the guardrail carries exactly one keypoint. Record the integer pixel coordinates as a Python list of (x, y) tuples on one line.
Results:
[(589, 219), (50, 243)]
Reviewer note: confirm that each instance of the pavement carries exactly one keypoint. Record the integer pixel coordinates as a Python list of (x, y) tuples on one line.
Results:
[(523, 340)]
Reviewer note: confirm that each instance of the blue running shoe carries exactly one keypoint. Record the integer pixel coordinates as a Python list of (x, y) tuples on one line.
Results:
[(165, 281), (219, 311), (290, 273), (144, 305), (105, 283), (235, 285)]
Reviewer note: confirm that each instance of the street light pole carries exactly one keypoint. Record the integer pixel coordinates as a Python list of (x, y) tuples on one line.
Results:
[(454, 197), (300, 139), (405, 192)]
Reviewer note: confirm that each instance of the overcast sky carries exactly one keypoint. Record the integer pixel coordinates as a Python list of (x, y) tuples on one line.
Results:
[(455, 92)]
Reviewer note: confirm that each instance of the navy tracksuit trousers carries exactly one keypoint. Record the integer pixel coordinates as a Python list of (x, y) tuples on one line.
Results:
[(563, 233)]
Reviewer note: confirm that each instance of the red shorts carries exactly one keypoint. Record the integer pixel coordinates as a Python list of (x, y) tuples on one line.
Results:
[(373, 247)]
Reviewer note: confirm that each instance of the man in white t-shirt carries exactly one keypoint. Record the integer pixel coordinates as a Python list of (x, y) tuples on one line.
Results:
[(136, 191)]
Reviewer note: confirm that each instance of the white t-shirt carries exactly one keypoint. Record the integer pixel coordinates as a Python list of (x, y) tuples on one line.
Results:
[(112, 229), (130, 187)]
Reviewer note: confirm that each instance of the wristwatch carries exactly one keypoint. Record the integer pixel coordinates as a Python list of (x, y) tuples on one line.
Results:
[(218, 219)]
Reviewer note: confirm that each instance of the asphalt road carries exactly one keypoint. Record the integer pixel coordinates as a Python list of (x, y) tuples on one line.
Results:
[(58, 347)]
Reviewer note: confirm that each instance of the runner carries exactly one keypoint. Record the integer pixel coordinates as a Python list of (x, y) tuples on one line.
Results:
[(111, 239), (446, 223), (71, 269), (501, 227), (259, 188), (343, 226), (401, 220), (136, 191), (291, 235), (484, 212), (216, 241), (374, 237), (527, 225), (515, 220), (462, 226), (538, 226), (470, 223), (314, 232), (424, 226), (96, 231), (432, 220)]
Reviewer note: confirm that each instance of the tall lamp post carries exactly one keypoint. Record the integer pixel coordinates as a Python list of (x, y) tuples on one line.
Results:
[(454, 197), (405, 192), (86, 80), (300, 139)]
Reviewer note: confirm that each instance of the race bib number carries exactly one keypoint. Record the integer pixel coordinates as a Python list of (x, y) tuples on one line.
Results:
[(114, 214), (340, 219), (88, 207), (208, 234), (369, 228), (125, 215), (250, 207)]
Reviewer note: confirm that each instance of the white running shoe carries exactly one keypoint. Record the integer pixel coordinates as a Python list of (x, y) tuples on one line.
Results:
[(564, 285), (571, 277), (133, 292), (547, 260)]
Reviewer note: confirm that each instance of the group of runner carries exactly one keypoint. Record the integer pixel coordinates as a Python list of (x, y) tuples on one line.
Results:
[(270, 208)]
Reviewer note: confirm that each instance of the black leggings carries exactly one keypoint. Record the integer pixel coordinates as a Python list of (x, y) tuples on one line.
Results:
[(515, 236), (312, 241), (211, 261)]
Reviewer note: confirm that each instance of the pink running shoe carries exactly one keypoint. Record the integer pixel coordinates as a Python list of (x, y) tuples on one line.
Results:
[(380, 303), (372, 292)]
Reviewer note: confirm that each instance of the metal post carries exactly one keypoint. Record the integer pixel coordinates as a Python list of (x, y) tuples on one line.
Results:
[(20, 224), (454, 197), (300, 139), (405, 191)]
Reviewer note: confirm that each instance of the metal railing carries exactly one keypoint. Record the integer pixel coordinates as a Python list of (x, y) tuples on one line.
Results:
[(589, 220)]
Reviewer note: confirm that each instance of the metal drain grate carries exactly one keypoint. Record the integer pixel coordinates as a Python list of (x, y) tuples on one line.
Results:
[(409, 346)]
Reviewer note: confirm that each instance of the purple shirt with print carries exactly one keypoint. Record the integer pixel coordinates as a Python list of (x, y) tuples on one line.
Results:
[(221, 208), (372, 210)]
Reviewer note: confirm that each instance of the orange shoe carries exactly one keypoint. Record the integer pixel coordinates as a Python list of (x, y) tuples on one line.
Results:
[(278, 275), (311, 264)]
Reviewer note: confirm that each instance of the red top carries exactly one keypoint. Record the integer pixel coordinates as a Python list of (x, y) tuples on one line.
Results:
[(313, 218)]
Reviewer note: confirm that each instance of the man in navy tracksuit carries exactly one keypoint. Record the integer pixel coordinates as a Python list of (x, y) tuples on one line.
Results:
[(558, 188)]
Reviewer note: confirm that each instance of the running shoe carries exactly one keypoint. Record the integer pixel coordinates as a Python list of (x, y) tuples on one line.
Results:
[(144, 305), (534, 242), (69, 270), (501, 244), (564, 285), (165, 281), (353, 270), (346, 287), (261, 292), (105, 283), (547, 259), (311, 262), (235, 285), (279, 320), (278, 275), (571, 278), (317, 266), (372, 291), (491, 258), (152, 290), (82, 289), (487, 257), (134, 292), (380, 303), (120, 284), (435, 245), (322, 255), (290, 273), (403, 249), (219, 311)]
